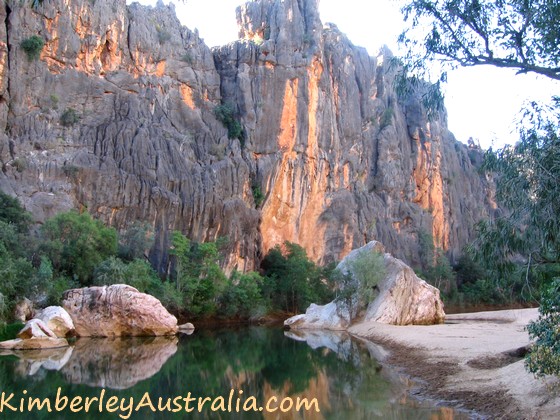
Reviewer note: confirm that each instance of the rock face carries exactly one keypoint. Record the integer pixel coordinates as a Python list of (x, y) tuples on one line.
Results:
[(117, 310), (402, 299), (57, 320), (117, 116)]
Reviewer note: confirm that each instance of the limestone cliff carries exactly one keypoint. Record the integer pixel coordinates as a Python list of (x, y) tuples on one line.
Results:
[(117, 117)]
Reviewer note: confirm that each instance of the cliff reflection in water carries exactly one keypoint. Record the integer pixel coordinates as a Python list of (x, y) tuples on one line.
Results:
[(340, 372)]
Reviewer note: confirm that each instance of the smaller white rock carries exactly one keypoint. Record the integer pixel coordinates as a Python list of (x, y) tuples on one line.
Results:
[(35, 328), (58, 320)]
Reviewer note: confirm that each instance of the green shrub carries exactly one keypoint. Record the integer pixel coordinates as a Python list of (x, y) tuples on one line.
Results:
[(258, 195), (10, 331), (387, 117), (20, 164), (135, 241), (12, 212), (357, 287), (198, 276), (225, 114), (33, 47), (544, 358), (69, 117), (242, 296), (293, 280), (71, 171), (76, 243)]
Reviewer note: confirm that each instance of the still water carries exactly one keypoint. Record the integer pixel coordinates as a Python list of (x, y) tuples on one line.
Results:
[(341, 373)]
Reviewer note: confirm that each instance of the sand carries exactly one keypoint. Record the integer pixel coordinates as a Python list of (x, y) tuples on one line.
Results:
[(473, 361)]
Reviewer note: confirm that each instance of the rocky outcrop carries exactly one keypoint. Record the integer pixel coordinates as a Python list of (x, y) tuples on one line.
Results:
[(57, 320), (117, 310), (401, 299), (23, 310), (404, 298), (117, 117)]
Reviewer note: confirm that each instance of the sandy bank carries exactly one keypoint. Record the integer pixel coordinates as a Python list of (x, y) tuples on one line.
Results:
[(473, 360)]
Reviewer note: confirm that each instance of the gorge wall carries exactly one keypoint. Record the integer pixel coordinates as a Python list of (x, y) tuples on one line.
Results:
[(117, 117)]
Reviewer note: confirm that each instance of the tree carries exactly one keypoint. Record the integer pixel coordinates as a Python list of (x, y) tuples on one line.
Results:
[(518, 34), (75, 243), (12, 212), (294, 280), (198, 276), (522, 35)]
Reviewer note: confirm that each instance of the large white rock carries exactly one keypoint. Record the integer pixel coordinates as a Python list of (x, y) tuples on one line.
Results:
[(402, 299), (117, 310), (57, 320)]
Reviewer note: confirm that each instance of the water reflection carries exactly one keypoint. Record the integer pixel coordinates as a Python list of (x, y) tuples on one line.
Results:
[(339, 372)]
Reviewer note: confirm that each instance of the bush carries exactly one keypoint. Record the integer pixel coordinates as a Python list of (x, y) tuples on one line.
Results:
[(135, 241), (10, 331), (69, 117), (258, 195), (242, 296), (71, 171), (75, 244), (225, 114), (294, 281), (13, 213), (198, 276), (33, 47), (544, 358)]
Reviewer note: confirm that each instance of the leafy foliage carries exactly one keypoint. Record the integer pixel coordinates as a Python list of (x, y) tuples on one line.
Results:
[(544, 358), (357, 287), (69, 117), (75, 243), (225, 114), (258, 195), (527, 233), (33, 47), (198, 276), (243, 296), (294, 281), (135, 241), (12, 212), (518, 34)]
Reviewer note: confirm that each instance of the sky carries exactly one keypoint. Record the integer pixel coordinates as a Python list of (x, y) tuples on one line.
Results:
[(482, 102)]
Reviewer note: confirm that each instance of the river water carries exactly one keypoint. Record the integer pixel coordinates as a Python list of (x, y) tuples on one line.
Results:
[(342, 374)]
